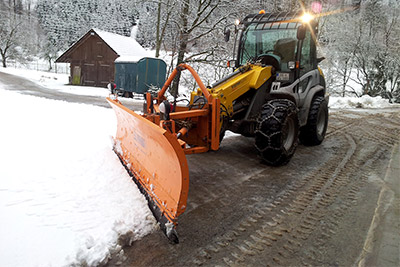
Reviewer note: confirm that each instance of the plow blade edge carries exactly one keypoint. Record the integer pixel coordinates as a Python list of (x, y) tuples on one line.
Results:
[(157, 163)]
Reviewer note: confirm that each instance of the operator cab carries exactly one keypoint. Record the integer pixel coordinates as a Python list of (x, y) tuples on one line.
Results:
[(258, 43), (282, 41)]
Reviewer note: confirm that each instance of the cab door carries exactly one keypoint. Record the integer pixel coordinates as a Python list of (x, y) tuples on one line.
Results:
[(309, 74)]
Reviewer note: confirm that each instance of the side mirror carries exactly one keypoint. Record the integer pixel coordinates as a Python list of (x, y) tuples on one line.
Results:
[(231, 63), (227, 33), (320, 59), (301, 32)]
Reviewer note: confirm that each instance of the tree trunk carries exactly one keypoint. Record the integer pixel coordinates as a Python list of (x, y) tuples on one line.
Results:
[(158, 39), (183, 40), (50, 67), (3, 60)]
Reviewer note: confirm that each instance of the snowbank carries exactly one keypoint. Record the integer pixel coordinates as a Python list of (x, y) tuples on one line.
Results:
[(360, 102), (64, 196)]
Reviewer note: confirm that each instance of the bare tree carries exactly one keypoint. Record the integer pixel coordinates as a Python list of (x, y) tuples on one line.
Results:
[(9, 30), (164, 9), (193, 26), (362, 48)]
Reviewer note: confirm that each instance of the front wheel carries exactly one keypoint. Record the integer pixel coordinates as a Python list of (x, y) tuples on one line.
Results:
[(277, 129), (313, 133)]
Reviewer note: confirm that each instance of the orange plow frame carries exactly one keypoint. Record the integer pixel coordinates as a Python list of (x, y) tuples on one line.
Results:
[(153, 150), (155, 159), (210, 114)]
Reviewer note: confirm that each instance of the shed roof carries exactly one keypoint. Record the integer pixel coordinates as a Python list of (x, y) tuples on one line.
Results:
[(123, 46)]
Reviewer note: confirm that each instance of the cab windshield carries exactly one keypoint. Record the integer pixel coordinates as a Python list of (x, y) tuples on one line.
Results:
[(273, 38)]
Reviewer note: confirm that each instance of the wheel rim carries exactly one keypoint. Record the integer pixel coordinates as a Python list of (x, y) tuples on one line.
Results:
[(321, 123), (288, 134)]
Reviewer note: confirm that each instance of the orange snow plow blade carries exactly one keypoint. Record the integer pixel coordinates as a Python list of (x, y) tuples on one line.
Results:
[(157, 163)]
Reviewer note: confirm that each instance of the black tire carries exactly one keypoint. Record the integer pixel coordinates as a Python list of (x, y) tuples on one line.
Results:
[(224, 123), (276, 134), (128, 94), (313, 133)]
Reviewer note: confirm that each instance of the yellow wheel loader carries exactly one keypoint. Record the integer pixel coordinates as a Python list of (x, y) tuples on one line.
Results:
[(276, 95)]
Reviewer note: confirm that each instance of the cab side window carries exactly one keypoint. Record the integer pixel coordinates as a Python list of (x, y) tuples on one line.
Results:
[(306, 61), (249, 48)]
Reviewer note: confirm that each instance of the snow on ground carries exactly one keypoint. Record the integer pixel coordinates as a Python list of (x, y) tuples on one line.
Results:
[(365, 102), (64, 196)]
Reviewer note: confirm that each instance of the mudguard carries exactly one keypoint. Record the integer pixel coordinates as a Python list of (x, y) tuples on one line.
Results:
[(157, 164)]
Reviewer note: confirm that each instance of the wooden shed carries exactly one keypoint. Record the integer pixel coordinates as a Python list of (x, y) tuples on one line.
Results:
[(92, 57)]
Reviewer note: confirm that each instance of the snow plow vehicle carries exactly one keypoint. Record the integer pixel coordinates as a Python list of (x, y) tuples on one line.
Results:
[(276, 94)]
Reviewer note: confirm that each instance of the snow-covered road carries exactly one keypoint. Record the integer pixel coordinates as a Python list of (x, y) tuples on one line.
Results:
[(64, 196)]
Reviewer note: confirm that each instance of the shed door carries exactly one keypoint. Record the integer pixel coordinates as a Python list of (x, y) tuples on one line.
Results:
[(90, 74), (106, 74), (76, 75)]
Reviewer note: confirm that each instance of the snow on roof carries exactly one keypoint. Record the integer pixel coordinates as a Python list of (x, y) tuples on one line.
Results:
[(129, 59), (122, 45)]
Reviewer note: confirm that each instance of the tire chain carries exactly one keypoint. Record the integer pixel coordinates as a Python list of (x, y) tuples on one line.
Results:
[(272, 117)]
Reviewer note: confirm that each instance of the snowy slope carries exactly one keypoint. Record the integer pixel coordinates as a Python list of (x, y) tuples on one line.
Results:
[(64, 196)]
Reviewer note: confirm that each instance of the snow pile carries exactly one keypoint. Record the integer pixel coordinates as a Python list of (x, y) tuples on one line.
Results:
[(360, 102), (65, 198)]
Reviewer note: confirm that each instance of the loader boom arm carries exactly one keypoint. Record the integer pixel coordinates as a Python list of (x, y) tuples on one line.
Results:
[(195, 76), (206, 119)]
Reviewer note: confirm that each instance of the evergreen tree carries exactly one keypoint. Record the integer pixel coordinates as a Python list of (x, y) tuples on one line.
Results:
[(65, 21)]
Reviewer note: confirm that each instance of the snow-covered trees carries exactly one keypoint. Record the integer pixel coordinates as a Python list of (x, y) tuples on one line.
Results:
[(363, 49), (16, 35), (182, 27), (193, 30), (9, 27), (64, 21)]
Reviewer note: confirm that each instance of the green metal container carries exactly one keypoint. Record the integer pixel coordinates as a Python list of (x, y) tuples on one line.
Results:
[(138, 77)]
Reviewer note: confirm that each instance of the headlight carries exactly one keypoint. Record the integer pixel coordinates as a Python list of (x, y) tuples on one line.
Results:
[(306, 18)]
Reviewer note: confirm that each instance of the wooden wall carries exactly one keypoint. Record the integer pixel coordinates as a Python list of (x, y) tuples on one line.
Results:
[(92, 62)]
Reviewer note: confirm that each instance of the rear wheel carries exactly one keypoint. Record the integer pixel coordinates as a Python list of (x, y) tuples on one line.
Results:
[(128, 94), (313, 133), (224, 123), (276, 134)]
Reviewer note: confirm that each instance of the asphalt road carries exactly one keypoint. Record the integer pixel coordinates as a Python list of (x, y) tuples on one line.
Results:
[(336, 204), (27, 87)]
